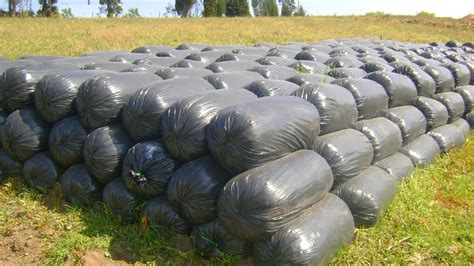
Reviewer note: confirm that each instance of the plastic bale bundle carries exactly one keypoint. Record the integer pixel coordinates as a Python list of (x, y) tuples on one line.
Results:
[(41, 172), (370, 97), (151, 49), (108, 66), (66, 141), (367, 195), (343, 61), (79, 187), (398, 165), (260, 201), (146, 169), (424, 83), (453, 102), (162, 218), (9, 167), (186, 63), (370, 67), (470, 66), (463, 126), (3, 118), (444, 80), (410, 120), (310, 67), (263, 88), (237, 57), (467, 93), (303, 79), (460, 72), (470, 118), (422, 151), (78, 61), (244, 136), (336, 105), (212, 238), (285, 52), (191, 46), (100, 99), (130, 58), (274, 72), (142, 115), (312, 239), (107, 54), (145, 68), (24, 134), (312, 56), (229, 66), (104, 151), (275, 61), (347, 151), (399, 88), (178, 54), (184, 124), (205, 57), (120, 201), (194, 189), (340, 73), (251, 51), (172, 73), (447, 137), (232, 80), (435, 112), (164, 62)]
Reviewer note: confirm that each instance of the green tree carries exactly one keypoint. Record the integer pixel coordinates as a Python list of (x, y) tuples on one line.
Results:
[(220, 8), (111, 7), (48, 8), (67, 13), (183, 7), (237, 8), (132, 13), (301, 12), (288, 8), (270, 8), (210, 8)]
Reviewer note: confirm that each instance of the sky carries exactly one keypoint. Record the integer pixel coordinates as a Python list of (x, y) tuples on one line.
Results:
[(156, 8)]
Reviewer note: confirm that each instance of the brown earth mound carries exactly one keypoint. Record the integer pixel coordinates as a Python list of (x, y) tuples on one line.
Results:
[(468, 18)]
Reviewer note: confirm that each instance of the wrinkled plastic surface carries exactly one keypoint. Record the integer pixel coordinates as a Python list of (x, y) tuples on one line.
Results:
[(66, 141), (79, 187), (424, 83), (263, 88), (336, 105), (146, 169), (164, 62), (447, 137), (3, 118), (120, 201), (453, 102), (130, 58), (302, 79), (104, 151), (398, 165), (109, 66), (340, 73), (435, 112), (463, 126), (162, 218), (422, 151), (41, 172), (172, 73), (410, 120), (9, 167), (343, 61), (467, 93), (312, 239), (367, 195), (186, 63), (400, 89), (311, 67), (275, 72), (142, 115), (470, 118), (248, 135), (232, 80), (444, 80), (194, 189), (275, 61), (183, 125), (460, 72), (312, 56), (229, 66), (370, 67), (258, 202), (151, 49)]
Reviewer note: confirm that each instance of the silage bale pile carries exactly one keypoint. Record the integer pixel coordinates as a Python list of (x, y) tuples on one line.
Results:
[(274, 151)]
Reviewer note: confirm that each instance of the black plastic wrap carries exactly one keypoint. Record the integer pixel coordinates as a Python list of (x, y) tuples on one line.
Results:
[(263, 88), (444, 80), (470, 118), (205, 57), (106, 54), (145, 68), (470, 66), (232, 80), (312, 56), (66, 141), (229, 66), (24, 134), (348, 152), (370, 97), (460, 72), (151, 49), (312, 67), (78, 61), (79, 187), (275, 72), (258, 202), (186, 63), (4, 65), (172, 73), (367, 195), (370, 67), (312, 239), (3, 118), (120, 201), (179, 54), (184, 124), (212, 238), (100, 99), (343, 61), (336, 106), (227, 57), (108, 66), (424, 83), (398, 165), (435, 112), (447, 137), (191, 46), (467, 93), (422, 151), (142, 115), (55, 95), (302, 79), (410, 120), (453, 102), (161, 217), (285, 52), (339, 73), (194, 189), (104, 151), (157, 61), (399, 88), (130, 58), (9, 167), (248, 135), (275, 61), (251, 50), (146, 169), (41, 172), (463, 126)]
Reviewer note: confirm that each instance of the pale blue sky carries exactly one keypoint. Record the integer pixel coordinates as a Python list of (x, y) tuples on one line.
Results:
[(155, 8)]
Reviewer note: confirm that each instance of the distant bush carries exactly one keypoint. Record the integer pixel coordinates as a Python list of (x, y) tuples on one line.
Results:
[(426, 14), (378, 14)]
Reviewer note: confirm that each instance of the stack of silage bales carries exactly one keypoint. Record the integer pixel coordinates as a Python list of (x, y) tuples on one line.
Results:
[(275, 151)]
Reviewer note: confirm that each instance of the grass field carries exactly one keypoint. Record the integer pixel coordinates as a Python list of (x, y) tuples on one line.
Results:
[(429, 222)]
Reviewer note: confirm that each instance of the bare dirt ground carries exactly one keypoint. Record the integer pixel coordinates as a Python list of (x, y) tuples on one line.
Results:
[(20, 247)]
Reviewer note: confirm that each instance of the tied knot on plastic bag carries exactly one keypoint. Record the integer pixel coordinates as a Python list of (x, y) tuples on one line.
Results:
[(137, 176)]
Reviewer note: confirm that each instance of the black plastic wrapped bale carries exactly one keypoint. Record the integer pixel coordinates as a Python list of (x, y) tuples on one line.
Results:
[(104, 151), (232, 80), (275, 61), (9, 167), (191, 46), (435, 112), (4, 65), (370, 67), (151, 49), (260, 201), (314, 238), (453, 102), (251, 50), (146, 169), (263, 88), (78, 61), (145, 68), (447, 137), (340, 73), (120, 201), (3, 118), (311, 67), (186, 63), (470, 66), (463, 126), (470, 118), (398, 165), (142, 115), (444, 80), (367, 195), (227, 57), (212, 238), (370, 97), (229, 66), (285, 52), (194, 189), (55, 95), (343, 61), (410, 120), (205, 57), (157, 61), (79, 187), (248, 135), (184, 124), (108, 66), (41, 172), (66, 141), (422, 151), (399, 88), (336, 105), (24, 134), (179, 54), (467, 93), (172, 73), (302, 79), (385, 136), (275, 72), (460, 72), (347, 151), (312, 56), (424, 83), (106, 54), (100, 99), (130, 58), (162, 218)]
